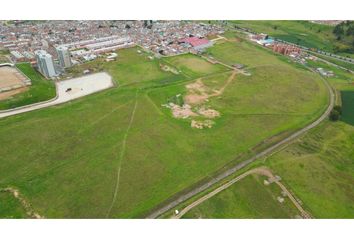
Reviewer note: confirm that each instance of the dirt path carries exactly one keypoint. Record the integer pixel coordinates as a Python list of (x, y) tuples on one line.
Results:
[(26, 205), (222, 89), (245, 163), (121, 155), (260, 171)]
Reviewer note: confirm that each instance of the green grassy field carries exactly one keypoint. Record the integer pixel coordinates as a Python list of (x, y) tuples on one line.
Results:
[(10, 207), (304, 33), (319, 170), (68, 160), (194, 66), (248, 198), (40, 90), (346, 65)]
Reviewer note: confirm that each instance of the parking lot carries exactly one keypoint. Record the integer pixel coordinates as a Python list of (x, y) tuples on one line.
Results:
[(69, 90)]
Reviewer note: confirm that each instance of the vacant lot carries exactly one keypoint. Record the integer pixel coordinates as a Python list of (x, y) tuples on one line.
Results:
[(9, 77), (249, 198), (40, 90), (12, 82), (120, 153)]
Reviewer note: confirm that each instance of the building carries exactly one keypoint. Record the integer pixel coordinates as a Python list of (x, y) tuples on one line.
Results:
[(64, 56), (45, 63), (17, 56), (197, 43), (286, 49)]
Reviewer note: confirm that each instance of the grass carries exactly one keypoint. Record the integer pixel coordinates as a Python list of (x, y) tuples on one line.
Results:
[(248, 198), (10, 207), (131, 68), (3, 54), (40, 90), (305, 33), (346, 65), (64, 159), (194, 66), (319, 170), (347, 107)]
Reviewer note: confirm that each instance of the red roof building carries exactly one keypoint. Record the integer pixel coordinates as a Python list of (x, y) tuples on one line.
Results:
[(194, 41)]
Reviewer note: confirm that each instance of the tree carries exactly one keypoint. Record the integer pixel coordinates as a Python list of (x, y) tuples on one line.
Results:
[(338, 30), (335, 113), (338, 109), (350, 30)]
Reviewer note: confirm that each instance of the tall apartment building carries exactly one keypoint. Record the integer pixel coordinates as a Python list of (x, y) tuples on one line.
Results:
[(64, 56), (45, 63)]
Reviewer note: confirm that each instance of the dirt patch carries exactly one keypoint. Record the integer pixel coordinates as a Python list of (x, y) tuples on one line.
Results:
[(11, 78), (184, 111), (167, 68), (202, 124), (197, 93), (8, 94), (194, 103), (208, 113)]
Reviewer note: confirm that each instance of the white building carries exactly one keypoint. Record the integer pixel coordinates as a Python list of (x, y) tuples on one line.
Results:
[(45, 63), (64, 56)]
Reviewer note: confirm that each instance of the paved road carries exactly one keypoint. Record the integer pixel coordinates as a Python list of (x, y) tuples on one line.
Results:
[(260, 171), (80, 87), (243, 164)]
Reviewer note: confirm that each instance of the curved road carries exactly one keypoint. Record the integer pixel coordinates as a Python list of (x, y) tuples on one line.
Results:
[(243, 164)]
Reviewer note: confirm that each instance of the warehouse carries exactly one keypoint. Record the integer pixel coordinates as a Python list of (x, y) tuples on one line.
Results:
[(197, 43)]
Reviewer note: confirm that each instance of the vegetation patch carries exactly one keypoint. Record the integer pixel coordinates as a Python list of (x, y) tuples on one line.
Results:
[(347, 107), (248, 198)]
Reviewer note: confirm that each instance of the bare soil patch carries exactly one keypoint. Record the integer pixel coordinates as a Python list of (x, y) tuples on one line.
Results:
[(194, 103), (11, 78), (8, 94)]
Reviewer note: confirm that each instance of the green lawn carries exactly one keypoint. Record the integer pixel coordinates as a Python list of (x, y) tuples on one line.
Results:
[(248, 198), (65, 159), (10, 207), (194, 66), (40, 90)]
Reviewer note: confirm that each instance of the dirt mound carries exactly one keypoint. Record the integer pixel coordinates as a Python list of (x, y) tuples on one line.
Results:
[(208, 113), (184, 111), (202, 124)]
